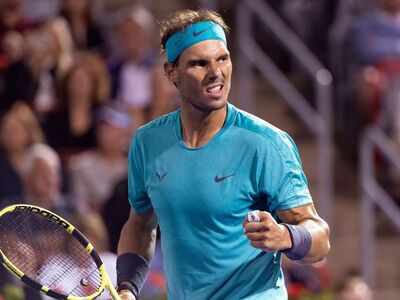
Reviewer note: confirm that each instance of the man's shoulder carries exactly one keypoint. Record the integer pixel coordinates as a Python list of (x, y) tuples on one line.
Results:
[(263, 134), (257, 126), (160, 124)]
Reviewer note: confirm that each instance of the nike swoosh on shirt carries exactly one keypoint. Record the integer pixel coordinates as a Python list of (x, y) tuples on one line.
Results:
[(161, 176), (222, 178)]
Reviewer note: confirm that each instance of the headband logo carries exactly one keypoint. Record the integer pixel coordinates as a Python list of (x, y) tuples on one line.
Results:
[(197, 33), (191, 35)]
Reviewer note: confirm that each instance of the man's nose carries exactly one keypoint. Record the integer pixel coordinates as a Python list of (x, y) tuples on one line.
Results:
[(214, 70)]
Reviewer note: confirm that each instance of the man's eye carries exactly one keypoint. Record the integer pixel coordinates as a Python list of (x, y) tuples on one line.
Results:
[(198, 63)]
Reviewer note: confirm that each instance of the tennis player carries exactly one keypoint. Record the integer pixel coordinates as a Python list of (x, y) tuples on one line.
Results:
[(199, 171)]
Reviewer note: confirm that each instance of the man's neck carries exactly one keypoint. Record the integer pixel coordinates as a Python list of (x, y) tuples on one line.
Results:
[(199, 127)]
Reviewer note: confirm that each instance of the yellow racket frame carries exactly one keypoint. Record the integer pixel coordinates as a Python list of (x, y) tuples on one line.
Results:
[(52, 217)]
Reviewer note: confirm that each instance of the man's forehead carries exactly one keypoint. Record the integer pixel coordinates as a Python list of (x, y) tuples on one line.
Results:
[(208, 49)]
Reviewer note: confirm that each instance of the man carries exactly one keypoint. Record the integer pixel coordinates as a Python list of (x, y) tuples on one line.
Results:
[(353, 287), (199, 171), (374, 37), (137, 77), (95, 172), (373, 68), (43, 182)]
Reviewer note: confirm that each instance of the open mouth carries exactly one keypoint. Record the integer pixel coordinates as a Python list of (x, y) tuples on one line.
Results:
[(215, 89)]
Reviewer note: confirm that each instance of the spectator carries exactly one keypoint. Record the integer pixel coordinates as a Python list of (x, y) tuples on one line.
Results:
[(19, 129), (70, 127), (15, 71), (95, 173), (87, 35), (116, 212), (11, 17), (61, 46), (52, 64), (137, 78), (353, 287), (47, 57), (372, 61), (43, 181), (375, 36), (373, 40), (13, 46)]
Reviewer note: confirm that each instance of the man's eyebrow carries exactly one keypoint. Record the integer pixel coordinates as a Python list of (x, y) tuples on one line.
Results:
[(198, 60), (224, 55)]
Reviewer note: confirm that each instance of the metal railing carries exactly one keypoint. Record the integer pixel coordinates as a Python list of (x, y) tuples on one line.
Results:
[(373, 194), (318, 121), (376, 139)]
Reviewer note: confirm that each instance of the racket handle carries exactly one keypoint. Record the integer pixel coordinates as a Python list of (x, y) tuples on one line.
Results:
[(111, 288), (114, 293)]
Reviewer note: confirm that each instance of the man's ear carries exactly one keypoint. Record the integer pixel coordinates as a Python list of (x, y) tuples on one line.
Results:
[(171, 73)]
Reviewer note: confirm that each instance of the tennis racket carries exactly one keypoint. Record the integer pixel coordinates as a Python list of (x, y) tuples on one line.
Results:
[(49, 254)]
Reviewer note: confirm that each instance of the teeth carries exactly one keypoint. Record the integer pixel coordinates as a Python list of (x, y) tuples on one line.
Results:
[(215, 89)]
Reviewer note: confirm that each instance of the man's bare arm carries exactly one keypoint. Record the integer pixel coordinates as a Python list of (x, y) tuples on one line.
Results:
[(308, 217), (138, 237), (311, 233)]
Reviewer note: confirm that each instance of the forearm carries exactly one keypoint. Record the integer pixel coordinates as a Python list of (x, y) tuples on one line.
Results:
[(320, 244), (138, 236), (313, 242), (135, 251)]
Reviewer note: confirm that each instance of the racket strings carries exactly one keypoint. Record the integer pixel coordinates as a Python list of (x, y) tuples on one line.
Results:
[(48, 254), (32, 233)]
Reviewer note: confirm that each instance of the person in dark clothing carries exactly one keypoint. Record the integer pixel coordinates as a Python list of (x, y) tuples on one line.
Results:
[(19, 129), (70, 127), (116, 212), (86, 33)]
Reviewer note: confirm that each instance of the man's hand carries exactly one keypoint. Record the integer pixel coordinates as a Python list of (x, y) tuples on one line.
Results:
[(267, 234), (126, 295)]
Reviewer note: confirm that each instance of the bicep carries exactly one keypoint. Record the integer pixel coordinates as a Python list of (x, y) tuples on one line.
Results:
[(299, 214), (306, 216), (137, 191)]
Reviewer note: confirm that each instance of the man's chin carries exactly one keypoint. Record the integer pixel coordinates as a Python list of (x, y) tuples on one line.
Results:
[(208, 105), (215, 104)]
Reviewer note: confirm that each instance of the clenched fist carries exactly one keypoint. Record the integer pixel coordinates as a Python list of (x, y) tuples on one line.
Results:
[(267, 234)]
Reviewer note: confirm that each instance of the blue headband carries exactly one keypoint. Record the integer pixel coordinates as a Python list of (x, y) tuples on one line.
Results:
[(193, 34)]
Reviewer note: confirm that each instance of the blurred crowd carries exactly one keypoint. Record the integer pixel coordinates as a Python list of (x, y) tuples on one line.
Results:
[(76, 81), (73, 90)]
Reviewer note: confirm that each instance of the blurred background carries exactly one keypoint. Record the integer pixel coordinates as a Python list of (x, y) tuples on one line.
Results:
[(77, 77)]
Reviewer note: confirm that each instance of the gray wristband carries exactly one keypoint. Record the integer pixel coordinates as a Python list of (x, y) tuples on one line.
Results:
[(301, 242), (132, 270)]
